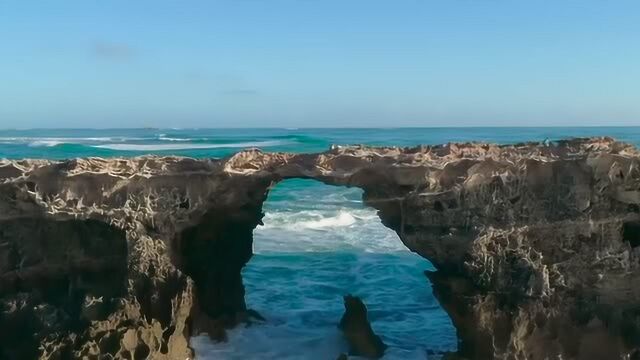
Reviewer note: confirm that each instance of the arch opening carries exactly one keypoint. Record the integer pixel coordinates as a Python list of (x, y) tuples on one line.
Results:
[(318, 243)]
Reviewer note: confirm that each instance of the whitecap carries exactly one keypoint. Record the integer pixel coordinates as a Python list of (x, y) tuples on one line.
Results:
[(308, 219), (47, 143), (342, 219), (53, 141), (308, 231), (165, 138), (160, 147)]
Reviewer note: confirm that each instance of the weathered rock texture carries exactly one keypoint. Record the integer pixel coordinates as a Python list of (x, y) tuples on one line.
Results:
[(536, 247)]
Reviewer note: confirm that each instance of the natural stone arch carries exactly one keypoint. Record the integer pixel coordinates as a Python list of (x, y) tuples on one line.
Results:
[(528, 240)]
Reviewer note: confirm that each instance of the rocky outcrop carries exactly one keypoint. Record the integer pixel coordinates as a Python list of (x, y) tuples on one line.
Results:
[(535, 246), (357, 330)]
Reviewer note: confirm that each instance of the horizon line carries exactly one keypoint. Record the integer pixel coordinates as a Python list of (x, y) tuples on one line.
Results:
[(293, 128)]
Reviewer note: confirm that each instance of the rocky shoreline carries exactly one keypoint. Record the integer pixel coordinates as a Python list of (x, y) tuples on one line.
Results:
[(536, 246)]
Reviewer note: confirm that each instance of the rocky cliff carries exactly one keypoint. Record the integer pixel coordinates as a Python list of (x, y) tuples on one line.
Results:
[(536, 246)]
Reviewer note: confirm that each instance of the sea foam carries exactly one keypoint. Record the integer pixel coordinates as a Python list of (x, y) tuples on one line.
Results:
[(309, 219), (325, 230)]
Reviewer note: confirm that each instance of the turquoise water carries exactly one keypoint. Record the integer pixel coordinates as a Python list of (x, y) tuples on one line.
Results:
[(318, 242), (64, 143)]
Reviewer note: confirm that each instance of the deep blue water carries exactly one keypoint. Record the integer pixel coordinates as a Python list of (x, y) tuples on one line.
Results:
[(318, 242)]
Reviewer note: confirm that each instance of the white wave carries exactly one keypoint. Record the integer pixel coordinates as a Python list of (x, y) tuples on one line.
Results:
[(53, 141), (308, 219), (47, 143), (159, 147), (343, 219), (321, 230), (165, 138)]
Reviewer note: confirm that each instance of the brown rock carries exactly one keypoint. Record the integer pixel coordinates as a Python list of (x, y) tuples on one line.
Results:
[(535, 246)]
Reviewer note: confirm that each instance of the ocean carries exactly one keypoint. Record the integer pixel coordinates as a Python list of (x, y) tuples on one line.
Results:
[(318, 242)]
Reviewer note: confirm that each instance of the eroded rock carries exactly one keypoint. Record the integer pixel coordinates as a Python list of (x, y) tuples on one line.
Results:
[(535, 246)]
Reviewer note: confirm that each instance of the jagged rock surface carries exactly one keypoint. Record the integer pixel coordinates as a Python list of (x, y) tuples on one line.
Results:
[(536, 248)]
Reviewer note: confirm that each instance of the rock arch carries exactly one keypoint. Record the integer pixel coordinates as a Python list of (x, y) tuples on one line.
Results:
[(527, 239)]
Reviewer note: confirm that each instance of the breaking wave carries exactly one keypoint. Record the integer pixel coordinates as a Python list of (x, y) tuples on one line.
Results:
[(342, 219), (53, 141), (321, 231), (190, 146), (304, 220)]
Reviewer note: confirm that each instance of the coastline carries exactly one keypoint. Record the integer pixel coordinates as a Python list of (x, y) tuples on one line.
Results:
[(530, 242)]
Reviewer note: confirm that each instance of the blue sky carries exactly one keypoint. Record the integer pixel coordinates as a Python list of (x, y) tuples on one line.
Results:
[(281, 63)]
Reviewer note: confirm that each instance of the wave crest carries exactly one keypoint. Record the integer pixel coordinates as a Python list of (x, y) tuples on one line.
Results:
[(342, 219), (54, 141), (305, 220)]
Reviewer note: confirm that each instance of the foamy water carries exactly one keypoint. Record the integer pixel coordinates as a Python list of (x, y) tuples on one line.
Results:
[(340, 229), (54, 141), (150, 142)]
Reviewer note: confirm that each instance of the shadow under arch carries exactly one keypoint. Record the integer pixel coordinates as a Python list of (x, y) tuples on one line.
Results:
[(317, 243)]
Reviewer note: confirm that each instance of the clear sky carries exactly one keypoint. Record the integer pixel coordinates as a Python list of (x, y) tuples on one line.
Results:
[(318, 63)]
